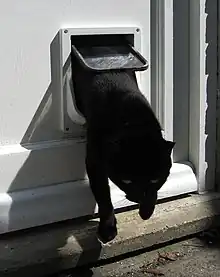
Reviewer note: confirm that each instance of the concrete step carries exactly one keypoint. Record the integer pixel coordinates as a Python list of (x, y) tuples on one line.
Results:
[(192, 257), (50, 249)]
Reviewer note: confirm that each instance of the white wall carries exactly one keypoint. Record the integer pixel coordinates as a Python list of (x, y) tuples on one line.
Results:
[(27, 30), (37, 178)]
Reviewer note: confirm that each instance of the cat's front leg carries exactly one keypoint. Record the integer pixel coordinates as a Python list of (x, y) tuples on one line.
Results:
[(98, 178)]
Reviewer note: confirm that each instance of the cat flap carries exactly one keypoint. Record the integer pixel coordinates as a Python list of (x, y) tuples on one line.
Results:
[(107, 52)]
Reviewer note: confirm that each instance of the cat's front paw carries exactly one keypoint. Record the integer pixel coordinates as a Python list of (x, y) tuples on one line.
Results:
[(147, 206), (107, 230), (146, 214), (146, 209)]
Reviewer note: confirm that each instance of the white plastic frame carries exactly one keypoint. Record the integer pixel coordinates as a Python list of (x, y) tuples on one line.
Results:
[(65, 50)]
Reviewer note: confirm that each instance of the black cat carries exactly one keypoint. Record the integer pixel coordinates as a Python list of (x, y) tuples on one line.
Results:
[(124, 143)]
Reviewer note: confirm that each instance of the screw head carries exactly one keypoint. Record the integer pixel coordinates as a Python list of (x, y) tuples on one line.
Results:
[(137, 30), (65, 31)]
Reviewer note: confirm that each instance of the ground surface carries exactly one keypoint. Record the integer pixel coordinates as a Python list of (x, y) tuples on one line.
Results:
[(199, 256), (50, 249)]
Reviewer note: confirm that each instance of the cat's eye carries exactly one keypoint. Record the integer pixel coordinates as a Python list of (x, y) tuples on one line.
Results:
[(127, 181), (154, 181)]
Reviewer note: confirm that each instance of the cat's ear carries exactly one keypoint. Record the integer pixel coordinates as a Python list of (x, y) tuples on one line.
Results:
[(170, 145)]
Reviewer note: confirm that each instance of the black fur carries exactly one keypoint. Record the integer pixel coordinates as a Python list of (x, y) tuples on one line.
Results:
[(124, 143)]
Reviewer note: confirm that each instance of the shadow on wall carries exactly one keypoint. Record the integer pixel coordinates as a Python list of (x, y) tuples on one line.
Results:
[(212, 112), (211, 87), (181, 80), (47, 166), (43, 138)]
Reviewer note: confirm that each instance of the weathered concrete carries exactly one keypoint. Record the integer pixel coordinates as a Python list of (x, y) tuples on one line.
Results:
[(50, 249), (188, 258)]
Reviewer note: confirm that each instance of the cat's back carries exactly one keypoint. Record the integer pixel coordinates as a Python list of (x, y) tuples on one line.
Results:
[(114, 99)]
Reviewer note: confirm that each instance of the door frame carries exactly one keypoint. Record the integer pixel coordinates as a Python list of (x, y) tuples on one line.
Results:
[(203, 88)]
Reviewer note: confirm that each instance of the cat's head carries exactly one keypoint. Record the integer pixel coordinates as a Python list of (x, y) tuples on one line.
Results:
[(146, 157), (149, 167)]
